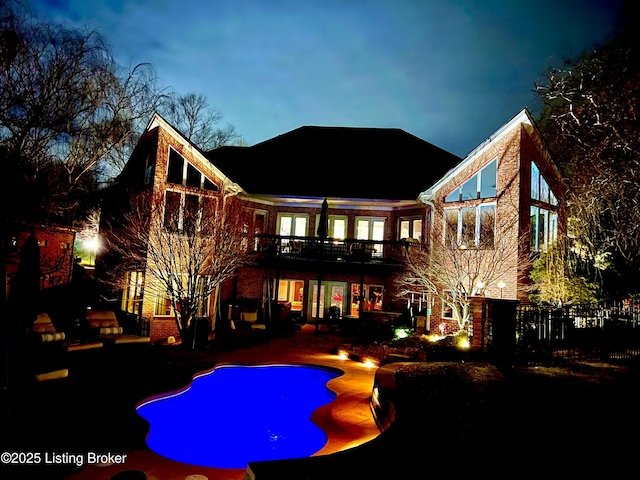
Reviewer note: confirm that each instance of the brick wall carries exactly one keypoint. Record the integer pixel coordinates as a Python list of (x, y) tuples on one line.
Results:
[(161, 328)]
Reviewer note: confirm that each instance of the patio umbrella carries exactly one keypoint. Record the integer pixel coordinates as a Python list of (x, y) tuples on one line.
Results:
[(323, 231), (323, 223)]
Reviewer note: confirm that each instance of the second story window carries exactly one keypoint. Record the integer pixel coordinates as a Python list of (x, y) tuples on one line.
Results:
[(481, 185), (543, 218), (181, 172), (410, 228), (182, 212), (292, 225), (470, 227), (337, 226), (371, 228)]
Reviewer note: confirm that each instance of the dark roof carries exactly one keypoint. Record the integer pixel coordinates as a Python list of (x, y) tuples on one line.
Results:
[(346, 162)]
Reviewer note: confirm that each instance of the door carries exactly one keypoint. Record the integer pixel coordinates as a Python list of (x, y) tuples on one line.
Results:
[(332, 294)]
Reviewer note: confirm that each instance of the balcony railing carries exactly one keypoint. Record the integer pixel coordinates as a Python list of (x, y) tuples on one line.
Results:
[(313, 248)]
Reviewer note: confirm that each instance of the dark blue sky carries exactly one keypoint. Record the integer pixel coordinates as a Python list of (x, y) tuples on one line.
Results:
[(449, 72)]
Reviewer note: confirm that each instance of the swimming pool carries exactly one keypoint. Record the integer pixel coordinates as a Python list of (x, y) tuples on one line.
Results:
[(235, 414)]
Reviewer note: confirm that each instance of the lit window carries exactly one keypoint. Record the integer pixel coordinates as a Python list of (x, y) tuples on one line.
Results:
[(290, 224), (410, 228), (337, 226), (371, 229), (447, 309)]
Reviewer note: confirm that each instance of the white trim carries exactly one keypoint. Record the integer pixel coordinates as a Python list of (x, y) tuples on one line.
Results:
[(521, 118), (205, 163)]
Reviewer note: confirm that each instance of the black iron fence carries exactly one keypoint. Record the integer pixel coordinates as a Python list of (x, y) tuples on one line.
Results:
[(604, 331)]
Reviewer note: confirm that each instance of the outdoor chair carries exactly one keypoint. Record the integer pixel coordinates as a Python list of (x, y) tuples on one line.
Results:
[(44, 331), (252, 319), (104, 326), (46, 358), (334, 318)]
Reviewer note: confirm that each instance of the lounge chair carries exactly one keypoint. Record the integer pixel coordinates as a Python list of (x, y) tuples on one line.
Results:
[(105, 327), (46, 357), (44, 331)]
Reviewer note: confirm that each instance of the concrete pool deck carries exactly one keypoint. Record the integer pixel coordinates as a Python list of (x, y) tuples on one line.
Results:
[(347, 420)]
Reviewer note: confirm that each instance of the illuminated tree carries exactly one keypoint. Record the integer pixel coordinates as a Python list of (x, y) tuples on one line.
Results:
[(455, 267), (590, 120), (186, 251)]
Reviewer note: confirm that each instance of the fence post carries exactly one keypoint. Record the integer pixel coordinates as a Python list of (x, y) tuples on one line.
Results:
[(502, 318), (479, 325)]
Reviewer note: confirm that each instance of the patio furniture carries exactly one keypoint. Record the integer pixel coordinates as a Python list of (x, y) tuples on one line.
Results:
[(105, 327), (44, 331), (46, 358), (334, 318), (252, 319)]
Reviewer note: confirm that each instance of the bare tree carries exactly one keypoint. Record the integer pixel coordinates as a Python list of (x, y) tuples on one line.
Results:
[(456, 266), (590, 120), (186, 250), (68, 113), (198, 122)]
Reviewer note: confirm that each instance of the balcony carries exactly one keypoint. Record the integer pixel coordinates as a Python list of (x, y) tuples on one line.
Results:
[(347, 251)]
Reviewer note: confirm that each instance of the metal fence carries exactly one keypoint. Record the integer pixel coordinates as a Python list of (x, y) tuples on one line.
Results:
[(605, 331)]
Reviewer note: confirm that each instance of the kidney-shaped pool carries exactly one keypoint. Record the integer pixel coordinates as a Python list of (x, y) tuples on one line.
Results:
[(235, 414)]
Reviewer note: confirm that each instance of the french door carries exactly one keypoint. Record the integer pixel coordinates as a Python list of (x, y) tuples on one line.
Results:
[(332, 294)]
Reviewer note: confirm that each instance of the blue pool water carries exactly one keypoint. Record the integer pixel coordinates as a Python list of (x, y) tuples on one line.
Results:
[(235, 414)]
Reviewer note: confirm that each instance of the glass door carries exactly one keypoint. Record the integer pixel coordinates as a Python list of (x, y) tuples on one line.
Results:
[(332, 294)]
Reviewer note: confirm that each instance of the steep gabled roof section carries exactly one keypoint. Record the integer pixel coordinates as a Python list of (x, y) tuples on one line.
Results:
[(522, 118), (158, 121), (341, 162)]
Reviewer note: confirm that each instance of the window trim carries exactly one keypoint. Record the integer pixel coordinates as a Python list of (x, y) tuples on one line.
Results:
[(293, 216), (477, 175), (332, 219), (412, 221), (205, 182), (460, 225)]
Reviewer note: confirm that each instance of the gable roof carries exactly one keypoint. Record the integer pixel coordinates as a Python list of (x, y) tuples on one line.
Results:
[(339, 162), (203, 161), (523, 117)]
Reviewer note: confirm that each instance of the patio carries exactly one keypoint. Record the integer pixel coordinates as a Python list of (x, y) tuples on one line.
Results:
[(455, 411), (93, 409)]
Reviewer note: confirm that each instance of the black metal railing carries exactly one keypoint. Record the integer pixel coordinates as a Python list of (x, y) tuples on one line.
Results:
[(594, 331), (313, 248)]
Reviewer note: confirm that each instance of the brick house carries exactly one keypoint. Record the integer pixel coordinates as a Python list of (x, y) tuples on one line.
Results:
[(381, 186), (511, 184)]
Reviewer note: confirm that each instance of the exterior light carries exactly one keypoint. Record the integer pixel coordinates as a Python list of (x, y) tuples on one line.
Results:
[(401, 332), (501, 286), (369, 363)]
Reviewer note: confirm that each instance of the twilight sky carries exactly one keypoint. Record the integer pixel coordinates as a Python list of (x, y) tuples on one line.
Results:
[(450, 72)]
